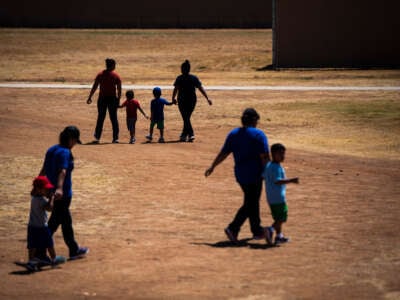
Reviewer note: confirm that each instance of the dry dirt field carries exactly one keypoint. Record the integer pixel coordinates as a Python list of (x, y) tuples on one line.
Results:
[(153, 223)]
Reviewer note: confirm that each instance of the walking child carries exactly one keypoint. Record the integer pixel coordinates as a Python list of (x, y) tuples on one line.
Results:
[(132, 105), (39, 234), (275, 186), (157, 114)]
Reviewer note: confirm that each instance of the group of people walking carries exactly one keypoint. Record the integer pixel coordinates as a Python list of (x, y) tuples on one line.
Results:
[(110, 85), (52, 189)]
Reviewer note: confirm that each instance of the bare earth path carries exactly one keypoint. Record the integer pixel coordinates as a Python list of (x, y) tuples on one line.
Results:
[(154, 224)]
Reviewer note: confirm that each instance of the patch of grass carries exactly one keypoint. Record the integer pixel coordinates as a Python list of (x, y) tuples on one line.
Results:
[(376, 113)]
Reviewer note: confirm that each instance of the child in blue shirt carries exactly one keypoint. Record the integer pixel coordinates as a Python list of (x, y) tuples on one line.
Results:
[(275, 186), (157, 114)]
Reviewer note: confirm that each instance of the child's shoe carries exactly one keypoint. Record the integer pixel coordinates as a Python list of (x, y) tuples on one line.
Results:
[(281, 240), (149, 138), (161, 140), (132, 140)]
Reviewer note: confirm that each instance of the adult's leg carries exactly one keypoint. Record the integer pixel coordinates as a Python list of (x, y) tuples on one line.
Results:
[(66, 226), (112, 111), (254, 208), (101, 115), (183, 111), (250, 209), (186, 111)]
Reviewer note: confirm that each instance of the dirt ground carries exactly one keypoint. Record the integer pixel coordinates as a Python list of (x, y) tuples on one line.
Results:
[(154, 224)]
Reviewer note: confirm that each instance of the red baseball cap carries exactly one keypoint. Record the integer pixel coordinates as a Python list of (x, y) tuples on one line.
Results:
[(42, 182)]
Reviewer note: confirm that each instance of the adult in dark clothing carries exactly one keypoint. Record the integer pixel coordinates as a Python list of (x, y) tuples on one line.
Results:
[(109, 98), (58, 165), (185, 88), (249, 146)]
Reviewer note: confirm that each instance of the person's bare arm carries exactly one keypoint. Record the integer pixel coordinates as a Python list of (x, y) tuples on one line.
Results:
[(92, 91), (219, 159), (119, 89), (265, 158), (174, 93), (143, 113), (203, 91), (50, 204), (60, 183)]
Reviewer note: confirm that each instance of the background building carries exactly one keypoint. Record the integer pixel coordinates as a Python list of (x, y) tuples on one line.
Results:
[(339, 33), (137, 14)]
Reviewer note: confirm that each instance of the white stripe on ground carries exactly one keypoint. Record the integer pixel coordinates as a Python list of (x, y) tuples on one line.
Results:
[(23, 85)]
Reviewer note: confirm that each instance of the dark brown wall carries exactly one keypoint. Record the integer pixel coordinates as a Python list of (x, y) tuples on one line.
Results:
[(137, 14), (336, 33)]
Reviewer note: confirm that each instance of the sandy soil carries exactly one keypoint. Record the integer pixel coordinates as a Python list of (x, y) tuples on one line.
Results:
[(154, 223)]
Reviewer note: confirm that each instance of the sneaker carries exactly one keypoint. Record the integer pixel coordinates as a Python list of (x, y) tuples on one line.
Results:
[(96, 141), (149, 137), (132, 141), (58, 260), (281, 240), (191, 138), (82, 251), (115, 142), (32, 266), (182, 138), (231, 235), (161, 140)]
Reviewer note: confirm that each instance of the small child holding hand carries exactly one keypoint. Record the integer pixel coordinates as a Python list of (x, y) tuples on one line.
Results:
[(132, 105), (39, 234), (157, 114)]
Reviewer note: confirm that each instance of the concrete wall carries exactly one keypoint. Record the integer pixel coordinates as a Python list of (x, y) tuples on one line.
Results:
[(336, 33), (137, 14)]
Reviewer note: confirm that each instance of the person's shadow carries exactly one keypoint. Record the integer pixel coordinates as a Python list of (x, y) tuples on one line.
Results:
[(238, 244)]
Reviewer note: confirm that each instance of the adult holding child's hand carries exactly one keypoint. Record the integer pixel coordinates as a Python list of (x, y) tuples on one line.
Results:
[(109, 97), (185, 88)]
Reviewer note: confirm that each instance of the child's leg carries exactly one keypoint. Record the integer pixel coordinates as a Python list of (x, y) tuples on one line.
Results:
[(133, 129), (277, 226), (161, 133), (150, 136)]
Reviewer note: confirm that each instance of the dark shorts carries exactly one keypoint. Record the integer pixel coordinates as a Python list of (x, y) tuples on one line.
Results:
[(160, 124), (131, 123), (279, 212), (39, 237)]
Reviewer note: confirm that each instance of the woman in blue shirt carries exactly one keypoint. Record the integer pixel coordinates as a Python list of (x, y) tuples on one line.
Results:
[(249, 146)]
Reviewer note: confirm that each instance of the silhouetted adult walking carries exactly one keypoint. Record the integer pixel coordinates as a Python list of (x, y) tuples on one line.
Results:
[(185, 87), (109, 97), (249, 146)]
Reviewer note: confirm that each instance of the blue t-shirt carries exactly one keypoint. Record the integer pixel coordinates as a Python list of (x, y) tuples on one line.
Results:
[(157, 109), (58, 158), (187, 85), (276, 193), (247, 144)]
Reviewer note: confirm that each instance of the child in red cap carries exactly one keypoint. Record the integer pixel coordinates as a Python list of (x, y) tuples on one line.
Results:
[(39, 234)]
